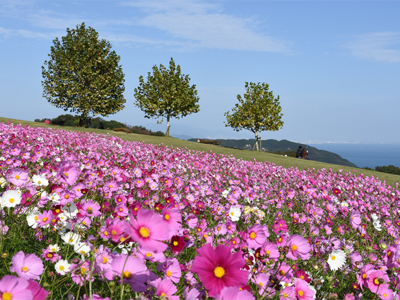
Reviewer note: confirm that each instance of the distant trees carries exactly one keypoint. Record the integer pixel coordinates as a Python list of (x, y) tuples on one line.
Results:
[(389, 169), (83, 75), (258, 111), (166, 94)]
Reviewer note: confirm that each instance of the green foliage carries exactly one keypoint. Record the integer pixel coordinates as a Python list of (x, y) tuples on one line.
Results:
[(258, 111), (166, 94), (390, 169), (83, 74)]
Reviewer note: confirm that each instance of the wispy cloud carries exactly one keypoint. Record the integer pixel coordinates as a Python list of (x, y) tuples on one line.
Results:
[(203, 25), (379, 46), (6, 33)]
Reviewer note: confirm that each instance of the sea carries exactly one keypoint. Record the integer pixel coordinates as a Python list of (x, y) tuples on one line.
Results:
[(365, 155)]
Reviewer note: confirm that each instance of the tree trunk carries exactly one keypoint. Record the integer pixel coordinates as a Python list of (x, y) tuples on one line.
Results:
[(256, 142), (167, 133)]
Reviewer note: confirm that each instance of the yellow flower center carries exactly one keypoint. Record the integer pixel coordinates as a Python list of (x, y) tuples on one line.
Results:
[(11, 200), (44, 219), (302, 277), (65, 173), (253, 235), (282, 272), (62, 268), (104, 260), (168, 273), (260, 284), (127, 274), (144, 232), (232, 213), (219, 272), (83, 270), (113, 232), (376, 281), (16, 176), (6, 296), (36, 218), (294, 247), (364, 276), (333, 257), (175, 243), (301, 293), (105, 233), (148, 254), (24, 269), (166, 217)]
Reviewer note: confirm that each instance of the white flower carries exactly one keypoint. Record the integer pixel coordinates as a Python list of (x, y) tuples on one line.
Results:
[(32, 218), (70, 211), (54, 248), (235, 213), (3, 182), (336, 259), (10, 198), (82, 248), (71, 238), (377, 225), (55, 198), (225, 193), (62, 267)]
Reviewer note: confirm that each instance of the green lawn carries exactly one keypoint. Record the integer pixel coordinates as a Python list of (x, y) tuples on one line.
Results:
[(287, 162)]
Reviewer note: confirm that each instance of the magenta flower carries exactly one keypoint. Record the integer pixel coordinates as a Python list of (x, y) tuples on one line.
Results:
[(18, 177), (219, 268), (90, 208), (148, 229), (298, 247), (302, 290), (27, 266), (15, 288), (164, 289), (234, 293), (68, 172), (255, 237), (38, 293)]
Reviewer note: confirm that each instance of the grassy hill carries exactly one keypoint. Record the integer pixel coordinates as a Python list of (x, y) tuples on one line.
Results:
[(286, 162), (284, 146)]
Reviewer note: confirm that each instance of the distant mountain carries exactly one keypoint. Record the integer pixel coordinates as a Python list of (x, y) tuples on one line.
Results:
[(182, 136), (284, 146)]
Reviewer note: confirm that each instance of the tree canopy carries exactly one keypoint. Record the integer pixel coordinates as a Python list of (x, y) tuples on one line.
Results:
[(83, 74), (258, 111), (166, 94)]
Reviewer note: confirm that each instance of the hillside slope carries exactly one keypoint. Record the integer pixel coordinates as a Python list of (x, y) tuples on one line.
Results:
[(285, 145)]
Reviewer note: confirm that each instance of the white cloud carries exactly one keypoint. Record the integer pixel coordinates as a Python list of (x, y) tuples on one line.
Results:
[(25, 33), (202, 25), (379, 46)]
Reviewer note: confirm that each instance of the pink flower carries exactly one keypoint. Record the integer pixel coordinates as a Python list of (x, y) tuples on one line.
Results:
[(173, 218), (377, 280), (288, 293), (27, 266), (303, 275), (349, 297), (298, 247), (18, 177), (132, 270), (234, 293), (165, 288), (363, 276), (219, 268), (262, 281), (302, 290), (255, 237), (171, 269), (38, 293), (270, 251), (385, 293), (15, 288), (148, 229), (68, 172), (355, 219)]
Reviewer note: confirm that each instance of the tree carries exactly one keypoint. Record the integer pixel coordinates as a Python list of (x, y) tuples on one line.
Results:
[(258, 111), (166, 94), (83, 75)]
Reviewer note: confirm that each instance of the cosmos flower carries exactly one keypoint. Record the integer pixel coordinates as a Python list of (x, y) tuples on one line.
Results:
[(164, 288), (148, 229), (10, 198), (234, 213), (336, 259), (219, 268), (234, 293), (298, 247), (62, 267), (15, 288), (27, 266), (18, 177)]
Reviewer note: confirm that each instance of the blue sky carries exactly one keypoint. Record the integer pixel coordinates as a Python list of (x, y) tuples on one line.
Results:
[(334, 64)]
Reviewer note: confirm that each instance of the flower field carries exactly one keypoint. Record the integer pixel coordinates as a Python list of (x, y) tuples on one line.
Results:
[(90, 216)]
